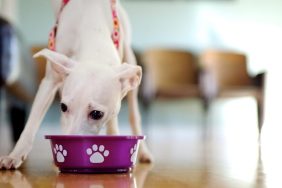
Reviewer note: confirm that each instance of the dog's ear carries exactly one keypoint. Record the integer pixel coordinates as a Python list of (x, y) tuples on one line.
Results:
[(129, 76), (59, 62)]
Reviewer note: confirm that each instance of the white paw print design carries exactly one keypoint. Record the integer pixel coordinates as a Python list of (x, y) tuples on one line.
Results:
[(60, 152), (133, 152), (97, 154)]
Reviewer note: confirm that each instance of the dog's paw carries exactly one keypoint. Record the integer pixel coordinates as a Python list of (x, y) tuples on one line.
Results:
[(146, 158), (145, 155), (8, 162)]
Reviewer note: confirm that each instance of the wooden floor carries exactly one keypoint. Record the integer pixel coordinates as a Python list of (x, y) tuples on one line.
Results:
[(218, 155)]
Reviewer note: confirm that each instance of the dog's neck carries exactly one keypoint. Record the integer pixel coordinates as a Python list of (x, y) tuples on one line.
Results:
[(97, 49)]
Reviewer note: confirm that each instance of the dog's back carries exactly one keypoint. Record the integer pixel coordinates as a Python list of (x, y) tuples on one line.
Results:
[(83, 26)]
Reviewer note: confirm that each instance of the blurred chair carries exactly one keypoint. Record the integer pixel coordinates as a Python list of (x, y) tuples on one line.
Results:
[(224, 74), (168, 74), (40, 62)]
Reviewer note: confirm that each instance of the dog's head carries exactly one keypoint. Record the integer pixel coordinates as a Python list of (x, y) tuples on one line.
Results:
[(91, 93)]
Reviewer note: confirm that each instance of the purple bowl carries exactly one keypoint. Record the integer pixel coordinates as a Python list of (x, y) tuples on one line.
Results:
[(94, 154)]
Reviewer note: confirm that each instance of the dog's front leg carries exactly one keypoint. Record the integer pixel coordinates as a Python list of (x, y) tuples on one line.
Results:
[(112, 127), (44, 97), (135, 122), (134, 113)]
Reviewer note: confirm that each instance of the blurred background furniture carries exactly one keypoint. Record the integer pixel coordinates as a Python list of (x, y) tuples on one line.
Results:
[(11, 70), (169, 74), (224, 74), (40, 62)]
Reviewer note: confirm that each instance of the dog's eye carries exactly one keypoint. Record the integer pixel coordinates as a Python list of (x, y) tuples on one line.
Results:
[(96, 115), (64, 107)]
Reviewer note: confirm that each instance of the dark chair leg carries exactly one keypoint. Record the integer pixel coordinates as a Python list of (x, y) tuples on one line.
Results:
[(205, 105), (146, 108), (205, 123), (260, 116), (17, 117), (259, 81)]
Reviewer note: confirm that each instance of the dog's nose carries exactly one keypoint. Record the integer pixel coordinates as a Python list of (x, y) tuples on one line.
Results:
[(72, 129)]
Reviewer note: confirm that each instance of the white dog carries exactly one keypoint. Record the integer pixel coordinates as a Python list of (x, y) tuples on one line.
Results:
[(93, 66)]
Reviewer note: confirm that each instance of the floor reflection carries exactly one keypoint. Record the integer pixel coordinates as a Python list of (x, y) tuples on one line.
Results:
[(13, 179), (133, 179), (95, 180)]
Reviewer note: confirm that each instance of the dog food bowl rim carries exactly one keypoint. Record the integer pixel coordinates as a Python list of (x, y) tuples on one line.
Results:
[(100, 137)]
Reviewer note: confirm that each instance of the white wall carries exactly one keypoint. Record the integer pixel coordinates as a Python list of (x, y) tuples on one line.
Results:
[(35, 20), (250, 26)]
